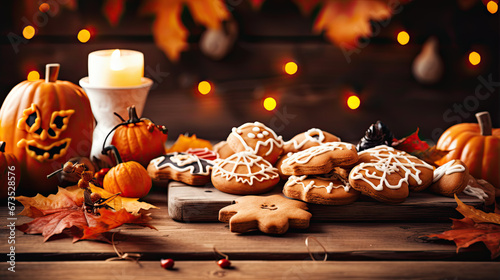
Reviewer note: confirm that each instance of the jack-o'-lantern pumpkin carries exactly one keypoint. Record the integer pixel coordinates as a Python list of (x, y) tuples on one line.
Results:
[(477, 145), (46, 122)]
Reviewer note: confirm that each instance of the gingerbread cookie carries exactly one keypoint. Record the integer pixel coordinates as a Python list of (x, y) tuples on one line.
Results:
[(320, 159), (312, 137), (450, 178), (203, 153), (223, 150), (417, 172), (481, 189), (183, 167), (258, 139), (244, 173), (278, 165), (270, 214), (329, 189)]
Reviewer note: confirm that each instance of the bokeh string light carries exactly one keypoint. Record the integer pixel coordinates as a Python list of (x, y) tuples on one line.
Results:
[(204, 87), (403, 38)]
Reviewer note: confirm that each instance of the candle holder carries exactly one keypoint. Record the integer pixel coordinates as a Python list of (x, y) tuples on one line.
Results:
[(104, 101)]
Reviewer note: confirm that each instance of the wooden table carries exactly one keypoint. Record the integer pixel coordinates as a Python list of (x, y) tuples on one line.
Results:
[(356, 250)]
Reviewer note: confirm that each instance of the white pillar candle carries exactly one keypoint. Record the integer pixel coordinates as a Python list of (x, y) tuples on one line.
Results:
[(116, 68)]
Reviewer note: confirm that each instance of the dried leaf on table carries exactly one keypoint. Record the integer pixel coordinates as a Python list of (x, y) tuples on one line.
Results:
[(477, 226), (113, 10), (421, 149), (132, 205), (64, 212), (344, 22), (183, 143), (168, 30)]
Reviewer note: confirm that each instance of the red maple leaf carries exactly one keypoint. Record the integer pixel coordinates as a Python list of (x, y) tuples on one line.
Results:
[(477, 226), (113, 10), (63, 212), (412, 144)]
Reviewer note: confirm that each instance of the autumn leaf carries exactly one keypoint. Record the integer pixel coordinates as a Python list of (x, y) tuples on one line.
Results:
[(113, 10), (168, 30), (344, 22), (183, 143), (132, 205), (421, 149), (64, 212), (477, 226)]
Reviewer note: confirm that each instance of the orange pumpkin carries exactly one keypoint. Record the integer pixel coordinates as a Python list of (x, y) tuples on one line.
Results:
[(139, 140), (9, 173), (129, 178), (47, 122), (477, 145)]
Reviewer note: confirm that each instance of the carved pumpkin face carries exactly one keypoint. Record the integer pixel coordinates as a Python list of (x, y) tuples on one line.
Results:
[(47, 122), (41, 128)]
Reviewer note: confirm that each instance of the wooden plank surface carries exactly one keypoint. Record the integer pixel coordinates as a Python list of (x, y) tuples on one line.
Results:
[(304, 269), (195, 241), (202, 204)]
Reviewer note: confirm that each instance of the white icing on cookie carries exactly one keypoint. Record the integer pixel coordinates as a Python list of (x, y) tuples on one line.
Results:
[(476, 192), (260, 135), (309, 137), (388, 161), (251, 135), (255, 129), (265, 170), (447, 169), (273, 140), (306, 155), (299, 180), (265, 133), (184, 162)]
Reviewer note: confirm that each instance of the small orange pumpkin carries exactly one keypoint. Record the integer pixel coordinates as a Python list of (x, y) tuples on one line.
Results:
[(10, 173), (129, 178), (477, 145), (137, 139)]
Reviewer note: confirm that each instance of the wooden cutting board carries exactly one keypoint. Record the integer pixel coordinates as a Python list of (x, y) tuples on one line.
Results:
[(202, 204)]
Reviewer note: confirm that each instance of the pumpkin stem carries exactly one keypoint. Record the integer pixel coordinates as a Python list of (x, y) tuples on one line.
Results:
[(115, 151), (120, 117), (132, 115), (2, 146), (484, 120), (51, 72)]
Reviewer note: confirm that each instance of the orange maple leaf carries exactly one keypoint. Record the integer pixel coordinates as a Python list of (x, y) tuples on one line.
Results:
[(57, 213), (477, 226), (168, 30), (344, 22)]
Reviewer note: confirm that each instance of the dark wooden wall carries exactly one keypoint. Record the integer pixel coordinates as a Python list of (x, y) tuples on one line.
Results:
[(380, 72)]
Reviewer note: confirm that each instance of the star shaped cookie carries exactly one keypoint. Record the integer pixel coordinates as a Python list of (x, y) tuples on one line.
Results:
[(272, 214)]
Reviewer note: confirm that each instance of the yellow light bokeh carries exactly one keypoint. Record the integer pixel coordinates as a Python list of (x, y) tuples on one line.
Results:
[(353, 102), (44, 7), (33, 76), (291, 68), (492, 7), (83, 36), (28, 32), (269, 103), (474, 58), (403, 38), (204, 87)]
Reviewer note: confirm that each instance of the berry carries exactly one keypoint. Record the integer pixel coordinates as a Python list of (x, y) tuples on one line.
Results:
[(224, 263), (167, 263)]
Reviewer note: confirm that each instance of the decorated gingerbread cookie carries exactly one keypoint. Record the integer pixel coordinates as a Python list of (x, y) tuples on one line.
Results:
[(387, 174), (244, 173), (258, 139), (450, 178), (320, 159), (481, 189), (270, 214), (183, 167), (203, 153), (312, 137), (329, 189), (418, 173)]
